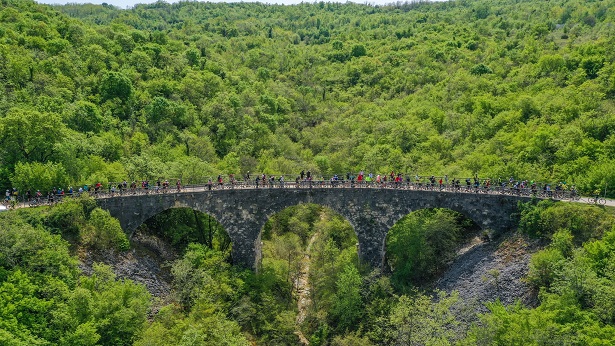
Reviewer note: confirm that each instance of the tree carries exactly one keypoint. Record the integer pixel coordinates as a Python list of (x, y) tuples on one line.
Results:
[(420, 245), (103, 232), (29, 136), (117, 321), (115, 85), (418, 320), (39, 176), (346, 309), (480, 70), (85, 117), (358, 50)]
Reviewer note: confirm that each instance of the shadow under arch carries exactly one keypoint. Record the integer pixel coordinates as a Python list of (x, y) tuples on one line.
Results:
[(181, 226), (423, 243)]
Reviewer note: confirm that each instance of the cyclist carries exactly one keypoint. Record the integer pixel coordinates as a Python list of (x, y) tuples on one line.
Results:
[(596, 195)]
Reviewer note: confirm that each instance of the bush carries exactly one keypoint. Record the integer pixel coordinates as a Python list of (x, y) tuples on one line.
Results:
[(544, 266), (547, 217), (421, 245), (66, 218), (104, 231)]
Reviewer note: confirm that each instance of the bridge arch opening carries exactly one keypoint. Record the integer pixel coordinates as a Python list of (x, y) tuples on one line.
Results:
[(422, 244), (307, 247), (171, 231)]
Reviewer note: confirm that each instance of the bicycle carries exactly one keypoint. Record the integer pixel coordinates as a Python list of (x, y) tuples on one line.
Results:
[(596, 200), (574, 196), (9, 203), (34, 202)]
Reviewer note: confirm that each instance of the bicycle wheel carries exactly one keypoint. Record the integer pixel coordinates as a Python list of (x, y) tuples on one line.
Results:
[(601, 201)]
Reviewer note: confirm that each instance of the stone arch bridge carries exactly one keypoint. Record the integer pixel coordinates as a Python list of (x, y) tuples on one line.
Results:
[(371, 212)]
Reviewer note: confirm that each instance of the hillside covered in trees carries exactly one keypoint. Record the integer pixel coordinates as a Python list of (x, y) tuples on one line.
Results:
[(497, 88), (192, 90)]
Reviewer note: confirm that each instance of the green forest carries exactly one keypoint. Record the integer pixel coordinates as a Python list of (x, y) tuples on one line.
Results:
[(193, 90), (46, 298)]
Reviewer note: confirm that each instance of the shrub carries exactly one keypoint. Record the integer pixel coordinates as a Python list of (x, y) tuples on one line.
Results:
[(104, 231)]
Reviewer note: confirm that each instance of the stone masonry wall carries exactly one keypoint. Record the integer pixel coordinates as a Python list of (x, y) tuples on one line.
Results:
[(370, 211)]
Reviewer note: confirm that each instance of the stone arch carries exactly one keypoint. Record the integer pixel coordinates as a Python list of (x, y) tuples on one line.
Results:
[(134, 210), (371, 212)]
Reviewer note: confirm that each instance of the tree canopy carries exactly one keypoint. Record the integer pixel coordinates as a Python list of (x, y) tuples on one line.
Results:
[(495, 88)]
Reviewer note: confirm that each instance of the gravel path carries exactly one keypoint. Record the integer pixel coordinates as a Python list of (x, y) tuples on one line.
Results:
[(303, 291)]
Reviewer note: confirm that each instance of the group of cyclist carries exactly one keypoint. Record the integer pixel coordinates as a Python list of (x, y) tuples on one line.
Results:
[(56, 194), (307, 179), (160, 186), (405, 181)]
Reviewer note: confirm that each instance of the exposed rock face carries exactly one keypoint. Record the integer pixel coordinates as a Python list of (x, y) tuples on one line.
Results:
[(371, 212), (147, 262), (486, 271)]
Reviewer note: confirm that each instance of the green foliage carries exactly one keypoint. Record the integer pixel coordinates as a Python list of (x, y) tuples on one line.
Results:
[(204, 275), (47, 301), (34, 250), (430, 88), (346, 310), (205, 287), (28, 136), (480, 69), (39, 176), (557, 320), (420, 246), (358, 51), (115, 85), (419, 321), (336, 285), (103, 232), (576, 301), (85, 117), (117, 321), (200, 327), (583, 222), (544, 266), (67, 218)]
